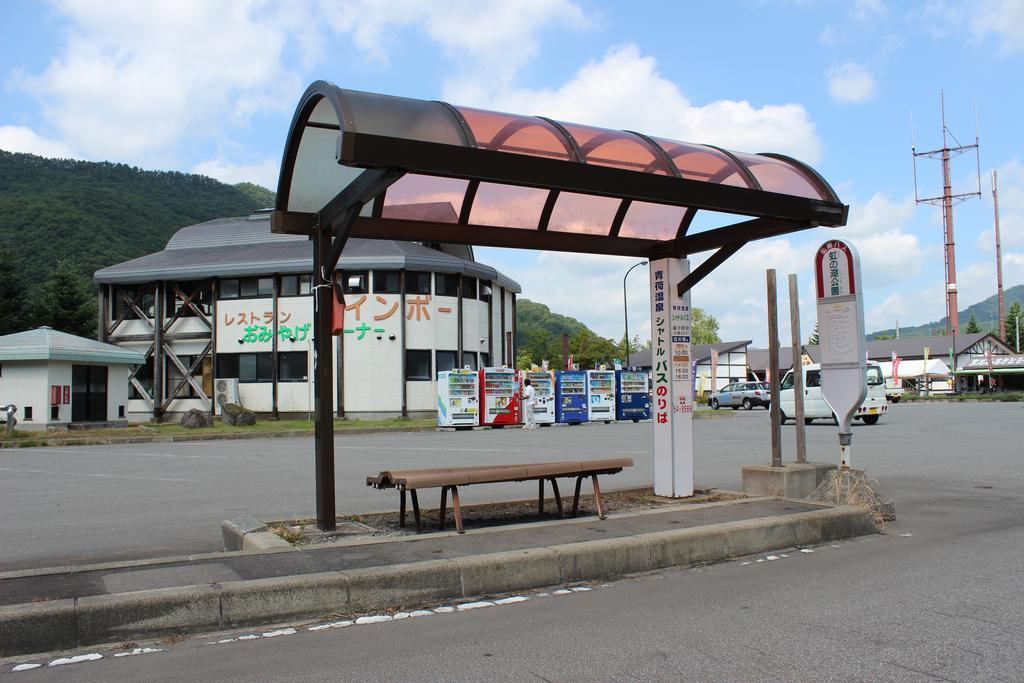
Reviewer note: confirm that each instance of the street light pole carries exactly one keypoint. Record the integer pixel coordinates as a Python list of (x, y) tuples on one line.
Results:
[(625, 308)]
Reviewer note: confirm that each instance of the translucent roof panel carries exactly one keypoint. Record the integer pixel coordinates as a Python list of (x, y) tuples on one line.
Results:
[(617, 148), (507, 206), (649, 221), (698, 162), (776, 175), (401, 117), (517, 134), (583, 213), (425, 198)]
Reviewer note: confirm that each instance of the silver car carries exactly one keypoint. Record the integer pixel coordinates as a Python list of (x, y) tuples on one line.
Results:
[(741, 394)]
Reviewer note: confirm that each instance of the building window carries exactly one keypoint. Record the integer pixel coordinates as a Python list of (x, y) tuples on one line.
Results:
[(417, 282), (121, 303), (144, 376), (417, 365), (174, 376), (356, 282), (229, 289), (120, 411), (485, 291), (26, 414), (246, 367), (468, 287), (485, 359), (446, 284), (387, 282), (292, 366), (295, 285), (247, 288), (54, 412), (469, 360), (445, 360), (201, 300)]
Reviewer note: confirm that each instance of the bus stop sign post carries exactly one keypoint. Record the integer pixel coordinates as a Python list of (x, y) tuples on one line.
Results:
[(841, 335)]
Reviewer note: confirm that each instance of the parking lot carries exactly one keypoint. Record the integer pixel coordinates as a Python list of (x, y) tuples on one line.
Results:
[(84, 504)]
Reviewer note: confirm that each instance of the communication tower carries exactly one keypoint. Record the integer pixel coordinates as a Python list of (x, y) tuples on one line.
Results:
[(947, 200)]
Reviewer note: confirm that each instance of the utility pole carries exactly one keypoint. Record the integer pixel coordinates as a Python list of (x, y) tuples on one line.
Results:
[(999, 259), (947, 201)]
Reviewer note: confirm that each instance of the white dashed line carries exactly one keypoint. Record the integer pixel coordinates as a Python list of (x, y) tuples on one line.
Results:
[(512, 600), (475, 605), (61, 661), (330, 625), (26, 667), (374, 619)]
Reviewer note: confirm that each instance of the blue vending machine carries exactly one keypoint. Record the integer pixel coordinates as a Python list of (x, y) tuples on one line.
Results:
[(571, 396), (632, 400)]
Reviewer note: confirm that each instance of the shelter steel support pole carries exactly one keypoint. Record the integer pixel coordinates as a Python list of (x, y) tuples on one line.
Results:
[(323, 295), (798, 377), (274, 359), (773, 369)]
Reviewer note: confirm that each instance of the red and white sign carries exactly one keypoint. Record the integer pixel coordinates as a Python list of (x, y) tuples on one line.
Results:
[(834, 270), (895, 369)]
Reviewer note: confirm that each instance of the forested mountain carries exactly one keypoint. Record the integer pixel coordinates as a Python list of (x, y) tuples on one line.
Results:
[(539, 338), (97, 214), (986, 313)]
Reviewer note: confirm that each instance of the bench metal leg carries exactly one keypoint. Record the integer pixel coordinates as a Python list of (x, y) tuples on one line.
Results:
[(558, 497), (597, 498), (444, 507), (576, 496), (540, 497), (401, 510), (416, 511), (457, 510)]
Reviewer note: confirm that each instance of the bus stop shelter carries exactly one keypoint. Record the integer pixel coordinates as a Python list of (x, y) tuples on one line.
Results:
[(359, 164)]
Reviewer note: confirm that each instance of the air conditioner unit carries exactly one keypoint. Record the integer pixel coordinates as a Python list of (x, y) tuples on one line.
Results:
[(226, 391)]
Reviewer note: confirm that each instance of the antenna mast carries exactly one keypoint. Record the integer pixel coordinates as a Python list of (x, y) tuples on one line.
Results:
[(947, 201), (999, 259)]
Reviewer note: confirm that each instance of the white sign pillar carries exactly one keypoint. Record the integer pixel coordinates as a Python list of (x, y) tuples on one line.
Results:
[(672, 403), (841, 335)]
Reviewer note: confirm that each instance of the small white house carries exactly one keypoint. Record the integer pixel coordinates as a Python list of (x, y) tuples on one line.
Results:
[(56, 379)]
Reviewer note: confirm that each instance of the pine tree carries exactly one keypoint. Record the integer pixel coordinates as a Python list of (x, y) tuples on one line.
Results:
[(12, 295), (813, 339), (1014, 316), (972, 326), (66, 302)]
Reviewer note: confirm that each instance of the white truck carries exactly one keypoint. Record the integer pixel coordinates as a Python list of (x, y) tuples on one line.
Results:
[(874, 406)]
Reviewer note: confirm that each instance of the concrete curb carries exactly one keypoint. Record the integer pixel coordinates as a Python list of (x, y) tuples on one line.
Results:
[(64, 624)]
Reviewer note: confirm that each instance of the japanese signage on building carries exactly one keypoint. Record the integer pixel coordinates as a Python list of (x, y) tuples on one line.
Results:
[(671, 372)]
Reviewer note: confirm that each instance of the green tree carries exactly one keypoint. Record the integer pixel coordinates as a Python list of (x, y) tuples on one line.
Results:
[(66, 302), (588, 349), (12, 294), (1014, 317), (813, 339), (972, 326), (705, 327)]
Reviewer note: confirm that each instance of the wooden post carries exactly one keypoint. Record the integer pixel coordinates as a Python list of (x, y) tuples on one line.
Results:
[(565, 351), (773, 369), (798, 376)]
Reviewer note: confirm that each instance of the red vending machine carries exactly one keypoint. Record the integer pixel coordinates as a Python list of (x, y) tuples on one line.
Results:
[(499, 397)]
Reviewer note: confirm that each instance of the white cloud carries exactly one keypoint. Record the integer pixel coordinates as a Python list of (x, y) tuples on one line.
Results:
[(984, 19), (851, 83), (625, 90), (136, 79), (22, 139), (262, 173), (868, 10)]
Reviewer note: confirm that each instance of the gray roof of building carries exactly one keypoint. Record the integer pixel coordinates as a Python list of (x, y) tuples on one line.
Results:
[(45, 343), (757, 359), (913, 347), (698, 352), (241, 246)]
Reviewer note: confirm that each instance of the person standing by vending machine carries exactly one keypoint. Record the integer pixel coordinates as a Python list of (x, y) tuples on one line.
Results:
[(530, 422)]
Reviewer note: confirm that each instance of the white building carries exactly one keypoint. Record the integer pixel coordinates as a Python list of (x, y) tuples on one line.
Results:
[(56, 379), (229, 299)]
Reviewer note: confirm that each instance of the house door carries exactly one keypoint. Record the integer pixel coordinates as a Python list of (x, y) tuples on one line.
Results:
[(88, 393)]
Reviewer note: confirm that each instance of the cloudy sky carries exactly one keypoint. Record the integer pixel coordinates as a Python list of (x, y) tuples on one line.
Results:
[(209, 86)]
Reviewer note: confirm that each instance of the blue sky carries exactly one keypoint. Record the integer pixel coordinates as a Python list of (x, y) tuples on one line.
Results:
[(210, 87)]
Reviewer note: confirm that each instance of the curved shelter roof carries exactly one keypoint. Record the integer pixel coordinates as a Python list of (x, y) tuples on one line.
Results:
[(530, 182)]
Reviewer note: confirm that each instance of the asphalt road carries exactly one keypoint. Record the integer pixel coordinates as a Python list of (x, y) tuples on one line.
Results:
[(939, 596), (73, 505)]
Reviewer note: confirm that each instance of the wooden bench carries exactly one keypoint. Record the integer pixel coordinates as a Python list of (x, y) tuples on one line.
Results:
[(451, 478)]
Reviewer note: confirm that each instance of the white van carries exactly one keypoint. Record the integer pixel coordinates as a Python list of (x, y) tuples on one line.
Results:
[(874, 406)]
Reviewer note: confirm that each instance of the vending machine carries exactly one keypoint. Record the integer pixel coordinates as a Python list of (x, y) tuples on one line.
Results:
[(543, 396), (499, 397), (601, 395), (458, 398), (632, 400), (571, 396)]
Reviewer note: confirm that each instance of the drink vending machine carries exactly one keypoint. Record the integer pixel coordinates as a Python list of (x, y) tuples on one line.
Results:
[(632, 400), (601, 395), (571, 396), (499, 397), (458, 398), (543, 395)]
